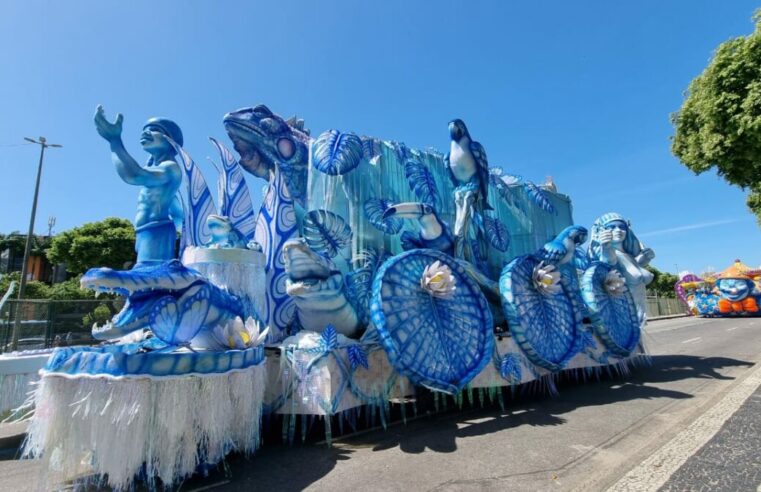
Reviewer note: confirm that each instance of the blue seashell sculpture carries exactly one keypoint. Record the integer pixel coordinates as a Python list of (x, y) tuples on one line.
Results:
[(540, 312), (432, 319), (612, 308)]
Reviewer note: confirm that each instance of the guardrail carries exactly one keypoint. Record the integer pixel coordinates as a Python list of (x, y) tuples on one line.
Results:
[(45, 323)]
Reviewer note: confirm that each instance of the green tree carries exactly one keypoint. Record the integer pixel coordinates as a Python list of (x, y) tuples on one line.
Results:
[(34, 288), (108, 243), (662, 284), (719, 123)]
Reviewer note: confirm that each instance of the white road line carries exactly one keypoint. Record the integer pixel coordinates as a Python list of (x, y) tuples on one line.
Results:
[(696, 339), (733, 328), (654, 471)]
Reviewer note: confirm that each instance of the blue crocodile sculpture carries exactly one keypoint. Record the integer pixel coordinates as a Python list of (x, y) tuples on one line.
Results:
[(317, 287), (173, 301)]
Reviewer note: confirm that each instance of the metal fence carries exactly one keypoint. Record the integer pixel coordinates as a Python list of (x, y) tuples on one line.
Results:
[(47, 323), (665, 306)]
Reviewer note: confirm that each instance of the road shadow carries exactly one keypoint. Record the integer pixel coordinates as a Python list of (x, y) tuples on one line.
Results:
[(283, 467), (665, 368)]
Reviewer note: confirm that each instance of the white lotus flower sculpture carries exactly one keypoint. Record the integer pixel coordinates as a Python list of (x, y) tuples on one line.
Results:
[(615, 284), (236, 335), (438, 280), (546, 279)]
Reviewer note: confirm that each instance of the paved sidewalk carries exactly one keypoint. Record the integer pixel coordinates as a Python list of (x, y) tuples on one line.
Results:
[(731, 460)]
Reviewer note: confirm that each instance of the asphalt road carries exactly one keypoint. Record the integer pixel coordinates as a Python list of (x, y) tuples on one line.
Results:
[(684, 423)]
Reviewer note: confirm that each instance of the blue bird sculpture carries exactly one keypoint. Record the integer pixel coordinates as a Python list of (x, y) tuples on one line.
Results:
[(467, 162), (434, 233), (561, 250)]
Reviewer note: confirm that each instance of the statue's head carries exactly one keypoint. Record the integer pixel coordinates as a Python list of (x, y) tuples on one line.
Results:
[(735, 289), (624, 238), (618, 229), (263, 139), (153, 139)]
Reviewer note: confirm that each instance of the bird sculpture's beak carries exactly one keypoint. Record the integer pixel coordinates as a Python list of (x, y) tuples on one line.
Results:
[(407, 210), (454, 132)]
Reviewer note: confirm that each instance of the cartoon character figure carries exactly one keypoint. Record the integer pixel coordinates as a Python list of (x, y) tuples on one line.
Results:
[(736, 289)]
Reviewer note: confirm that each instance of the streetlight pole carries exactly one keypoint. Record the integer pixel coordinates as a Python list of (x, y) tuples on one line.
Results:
[(42, 142)]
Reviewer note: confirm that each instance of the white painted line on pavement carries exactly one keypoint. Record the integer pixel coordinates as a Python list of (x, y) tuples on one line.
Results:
[(654, 471), (696, 339), (733, 328)]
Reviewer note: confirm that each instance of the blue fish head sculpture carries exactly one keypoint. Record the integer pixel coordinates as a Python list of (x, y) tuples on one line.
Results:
[(265, 140)]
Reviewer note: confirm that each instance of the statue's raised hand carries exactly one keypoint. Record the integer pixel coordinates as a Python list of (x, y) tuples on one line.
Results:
[(109, 131), (645, 256), (605, 237)]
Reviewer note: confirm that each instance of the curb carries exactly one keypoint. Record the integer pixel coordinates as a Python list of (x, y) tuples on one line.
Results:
[(669, 316)]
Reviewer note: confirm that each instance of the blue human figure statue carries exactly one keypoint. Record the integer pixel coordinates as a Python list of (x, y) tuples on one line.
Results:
[(158, 209)]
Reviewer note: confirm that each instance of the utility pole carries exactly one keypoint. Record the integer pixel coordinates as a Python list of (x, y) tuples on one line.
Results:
[(42, 142)]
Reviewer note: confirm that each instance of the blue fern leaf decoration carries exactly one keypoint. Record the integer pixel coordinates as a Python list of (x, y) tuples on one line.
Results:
[(421, 182), (337, 153), (374, 208), (371, 147), (235, 199), (503, 190), (198, 205), (359, 281), (326, 232), (510, 368), (329, 340), (539, 197), (497, 233), (402, 151), (357, 356)]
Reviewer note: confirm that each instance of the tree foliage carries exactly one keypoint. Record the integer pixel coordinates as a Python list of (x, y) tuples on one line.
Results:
[(662, 284), (108, 243), (34, 289), (719, 123), (63, 291)]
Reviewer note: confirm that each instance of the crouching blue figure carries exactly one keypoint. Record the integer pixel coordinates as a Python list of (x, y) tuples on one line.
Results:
[(159, 212)]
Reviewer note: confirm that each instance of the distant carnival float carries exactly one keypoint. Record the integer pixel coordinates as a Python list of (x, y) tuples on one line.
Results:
[(735, 291), (371, 271)]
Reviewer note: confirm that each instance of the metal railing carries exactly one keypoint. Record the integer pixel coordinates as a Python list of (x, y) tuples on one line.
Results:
[(665, 306), (45, 323)]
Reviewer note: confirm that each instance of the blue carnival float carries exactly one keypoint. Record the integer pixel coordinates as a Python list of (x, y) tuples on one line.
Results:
[(371, 270)]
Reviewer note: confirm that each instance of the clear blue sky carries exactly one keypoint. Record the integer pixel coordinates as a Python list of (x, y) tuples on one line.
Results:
[(581, 91)]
